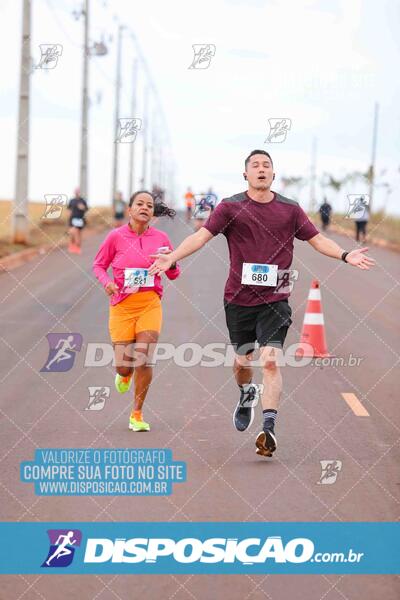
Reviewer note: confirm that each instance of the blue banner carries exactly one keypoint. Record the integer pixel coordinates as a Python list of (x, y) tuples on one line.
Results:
[(200, 548), (103, 472)]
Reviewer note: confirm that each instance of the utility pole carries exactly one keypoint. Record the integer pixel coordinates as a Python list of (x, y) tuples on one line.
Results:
[(371, 174), (313, 174), (116, 123), (131, 181), (83, 177), (165, 153), (145, 136), (160, 162), (20, 219), (170, 194), (154, 150)]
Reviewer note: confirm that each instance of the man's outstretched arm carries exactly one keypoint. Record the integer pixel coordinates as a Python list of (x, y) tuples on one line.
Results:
[(189, 245), (330, 248)]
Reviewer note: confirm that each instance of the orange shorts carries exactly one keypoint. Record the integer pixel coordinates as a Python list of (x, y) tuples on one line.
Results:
[(138, 312)]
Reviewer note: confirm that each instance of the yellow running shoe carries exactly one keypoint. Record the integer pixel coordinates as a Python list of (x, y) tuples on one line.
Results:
[(136, 425), (122, 384)]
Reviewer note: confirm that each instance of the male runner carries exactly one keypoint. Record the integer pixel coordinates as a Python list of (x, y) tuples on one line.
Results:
[(325, 211), (119, 210), (78, 208), (361, 217), (260, 226)]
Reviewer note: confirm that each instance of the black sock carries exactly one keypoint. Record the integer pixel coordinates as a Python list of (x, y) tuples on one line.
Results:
[(269, 415)]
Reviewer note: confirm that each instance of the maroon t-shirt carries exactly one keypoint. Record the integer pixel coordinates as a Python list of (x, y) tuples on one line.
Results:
[(258, 233)]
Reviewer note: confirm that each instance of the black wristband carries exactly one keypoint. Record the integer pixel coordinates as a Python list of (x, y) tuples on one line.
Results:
[(173, 266), (344, 255)]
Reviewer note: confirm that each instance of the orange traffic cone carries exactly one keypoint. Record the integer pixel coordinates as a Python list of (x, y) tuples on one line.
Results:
[(313, 340)]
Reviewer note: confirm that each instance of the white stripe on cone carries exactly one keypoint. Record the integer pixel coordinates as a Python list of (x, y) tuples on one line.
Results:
[(314, 319), (315, 294)]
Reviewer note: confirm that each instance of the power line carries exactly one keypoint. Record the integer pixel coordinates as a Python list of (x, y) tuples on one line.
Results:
[(55, 17)]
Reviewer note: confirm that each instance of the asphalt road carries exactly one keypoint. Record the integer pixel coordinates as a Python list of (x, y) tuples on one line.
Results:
[(190, 410)]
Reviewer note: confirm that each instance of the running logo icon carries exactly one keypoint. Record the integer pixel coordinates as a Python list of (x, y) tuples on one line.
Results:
[(128, 129), (286, 281), (278, 129), (358, 206), (54, 205), (49, 55), (329, 471), (203, 54), (62, 547), (97, 397), (62, 349), (204, 204)]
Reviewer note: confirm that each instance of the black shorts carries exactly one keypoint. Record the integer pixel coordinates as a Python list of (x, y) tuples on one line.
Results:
[(361, 226), (266, 323)]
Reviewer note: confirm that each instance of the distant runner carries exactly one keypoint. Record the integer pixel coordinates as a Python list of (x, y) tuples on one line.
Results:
[(325, 211), (361, 222), (260, 227), (135, 296), (189, 201), (119, 210), (78, 208)]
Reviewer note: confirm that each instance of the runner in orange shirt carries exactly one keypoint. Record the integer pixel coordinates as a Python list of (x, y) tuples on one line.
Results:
[(189, 200)]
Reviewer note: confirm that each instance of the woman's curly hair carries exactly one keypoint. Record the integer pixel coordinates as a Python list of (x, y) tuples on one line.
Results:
[(160, 208)]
